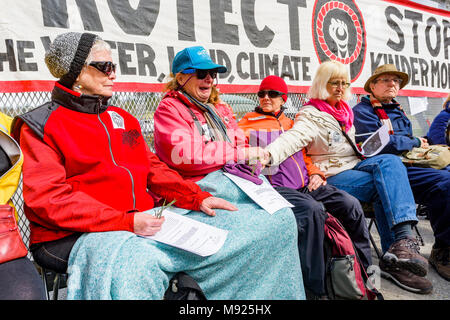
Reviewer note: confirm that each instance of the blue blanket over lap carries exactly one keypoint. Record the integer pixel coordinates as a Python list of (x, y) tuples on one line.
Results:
[(259, 259)]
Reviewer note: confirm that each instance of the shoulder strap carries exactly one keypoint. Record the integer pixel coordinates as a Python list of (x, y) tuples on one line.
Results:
[(357, 152), (196, 121), (350, 141)]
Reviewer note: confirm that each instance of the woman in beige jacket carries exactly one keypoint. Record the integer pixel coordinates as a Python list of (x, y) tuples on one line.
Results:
[(325, 128)]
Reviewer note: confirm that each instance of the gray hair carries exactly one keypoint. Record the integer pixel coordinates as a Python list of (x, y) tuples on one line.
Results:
[(99, 45)]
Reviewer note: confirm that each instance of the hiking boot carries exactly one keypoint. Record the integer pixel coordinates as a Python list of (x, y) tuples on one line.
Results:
[(404, 254), (406, 279), (439, 260)]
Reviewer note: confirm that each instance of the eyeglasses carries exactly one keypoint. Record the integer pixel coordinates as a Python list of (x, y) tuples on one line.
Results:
[(107, 67), (342, 84), (397, 81), (201, 73), (272, 93)]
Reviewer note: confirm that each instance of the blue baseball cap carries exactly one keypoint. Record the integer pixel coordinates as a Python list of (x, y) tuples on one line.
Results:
[(192, 58)]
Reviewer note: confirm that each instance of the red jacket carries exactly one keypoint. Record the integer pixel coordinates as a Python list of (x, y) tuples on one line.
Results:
[(87, 168)]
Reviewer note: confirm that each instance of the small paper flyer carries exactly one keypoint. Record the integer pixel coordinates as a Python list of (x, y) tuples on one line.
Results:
[(376, 142), (264, 194), (189, 234)]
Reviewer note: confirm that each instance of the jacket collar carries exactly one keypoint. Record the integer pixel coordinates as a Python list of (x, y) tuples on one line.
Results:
[(393, 104), (79, 102)]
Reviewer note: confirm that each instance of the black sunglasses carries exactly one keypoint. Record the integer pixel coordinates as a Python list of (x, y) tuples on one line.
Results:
[(201, 73), (107, 67), (272, 93)]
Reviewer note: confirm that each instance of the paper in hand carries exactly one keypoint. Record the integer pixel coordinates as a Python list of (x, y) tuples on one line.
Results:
[(189, 234), (263, 194), (376, 142)]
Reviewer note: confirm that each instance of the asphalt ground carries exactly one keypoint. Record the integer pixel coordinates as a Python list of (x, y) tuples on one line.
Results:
[(441, 287)]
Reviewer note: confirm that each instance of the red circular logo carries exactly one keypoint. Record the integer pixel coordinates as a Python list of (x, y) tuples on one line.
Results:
[(339, 34)]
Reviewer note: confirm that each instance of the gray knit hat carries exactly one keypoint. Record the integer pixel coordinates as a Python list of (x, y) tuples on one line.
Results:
[(67, 55)]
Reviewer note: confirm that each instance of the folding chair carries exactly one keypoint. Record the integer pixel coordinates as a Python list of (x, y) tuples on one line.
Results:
[(52, 280), (370, 214)]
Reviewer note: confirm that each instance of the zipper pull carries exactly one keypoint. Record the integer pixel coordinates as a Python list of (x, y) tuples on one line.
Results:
[(99, 104)]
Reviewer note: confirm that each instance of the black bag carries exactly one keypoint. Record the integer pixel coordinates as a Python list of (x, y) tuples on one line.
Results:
[(183, 287)]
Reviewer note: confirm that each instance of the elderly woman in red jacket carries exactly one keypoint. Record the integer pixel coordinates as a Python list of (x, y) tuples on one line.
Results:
[(87, 167)]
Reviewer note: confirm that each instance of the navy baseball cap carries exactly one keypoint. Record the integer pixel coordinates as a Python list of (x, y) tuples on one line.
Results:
[(192, 58)]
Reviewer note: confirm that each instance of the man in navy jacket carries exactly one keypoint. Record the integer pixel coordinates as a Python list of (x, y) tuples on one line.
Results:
[(431, 187), (437, 134)]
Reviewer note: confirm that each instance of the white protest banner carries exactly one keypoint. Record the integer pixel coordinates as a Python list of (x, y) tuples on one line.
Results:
[(252, 38)]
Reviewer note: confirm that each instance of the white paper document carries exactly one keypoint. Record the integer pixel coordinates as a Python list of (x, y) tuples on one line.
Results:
[(376, 142), (263, 194), (190, 235), (417, 104)]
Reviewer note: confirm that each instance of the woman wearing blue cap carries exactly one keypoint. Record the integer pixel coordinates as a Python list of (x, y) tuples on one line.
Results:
[(196, 134), (191, 114)]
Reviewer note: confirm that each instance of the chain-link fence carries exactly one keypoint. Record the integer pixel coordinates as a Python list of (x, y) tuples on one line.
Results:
[(143, 105)]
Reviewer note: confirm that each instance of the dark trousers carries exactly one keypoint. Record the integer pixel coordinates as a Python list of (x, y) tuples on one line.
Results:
[(54, 255), (309, 210), (19, 280), (431, 187)]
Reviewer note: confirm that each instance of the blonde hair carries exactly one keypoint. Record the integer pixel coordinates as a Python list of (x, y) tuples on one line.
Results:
[(173, 84), (327, 70)]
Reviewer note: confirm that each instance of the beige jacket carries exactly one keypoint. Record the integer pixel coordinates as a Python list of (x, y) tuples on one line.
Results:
[(320, 133)]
